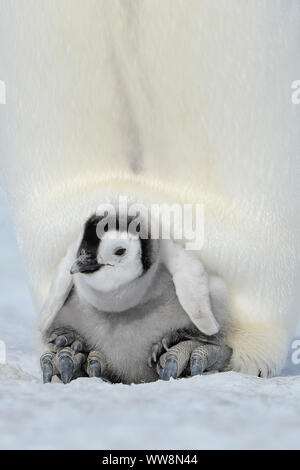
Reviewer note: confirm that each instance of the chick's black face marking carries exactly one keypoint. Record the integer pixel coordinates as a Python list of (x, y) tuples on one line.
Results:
[(90, 241), (88, 249), (146, 255)]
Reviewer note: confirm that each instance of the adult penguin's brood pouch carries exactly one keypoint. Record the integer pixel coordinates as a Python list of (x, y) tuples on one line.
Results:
[(169, 101)]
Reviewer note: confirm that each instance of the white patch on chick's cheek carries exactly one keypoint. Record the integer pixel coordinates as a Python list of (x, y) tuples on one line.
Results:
[(117, 270)]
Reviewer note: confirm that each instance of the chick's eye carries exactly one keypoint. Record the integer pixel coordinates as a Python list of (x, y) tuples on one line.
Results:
[(120, 251)]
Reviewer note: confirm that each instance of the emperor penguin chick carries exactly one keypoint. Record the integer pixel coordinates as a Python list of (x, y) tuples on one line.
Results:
[(132, 310)]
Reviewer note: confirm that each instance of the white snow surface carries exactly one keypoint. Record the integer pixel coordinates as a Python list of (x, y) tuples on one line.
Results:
[(215, 411)]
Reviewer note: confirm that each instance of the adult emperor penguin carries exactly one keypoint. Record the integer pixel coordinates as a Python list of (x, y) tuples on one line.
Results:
[(123, 315)]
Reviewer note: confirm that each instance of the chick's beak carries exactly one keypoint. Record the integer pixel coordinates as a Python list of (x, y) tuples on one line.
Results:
[(79, 267)]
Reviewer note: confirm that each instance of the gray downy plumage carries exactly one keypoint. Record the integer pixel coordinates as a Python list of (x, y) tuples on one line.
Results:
[(123, 305)]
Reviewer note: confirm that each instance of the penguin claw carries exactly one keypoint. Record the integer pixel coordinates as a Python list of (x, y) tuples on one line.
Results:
[(66, 367), (61, 342), (62, 338), (95, 369), (77, 346), (70, 365), (156, 351), (65, 363), (196, 367), (47, 367), (170, 339), (47, 372), (52, 338), (95, 364), (170, 370)]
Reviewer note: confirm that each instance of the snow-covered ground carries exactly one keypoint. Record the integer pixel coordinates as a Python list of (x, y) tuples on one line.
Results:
[(210, 412)]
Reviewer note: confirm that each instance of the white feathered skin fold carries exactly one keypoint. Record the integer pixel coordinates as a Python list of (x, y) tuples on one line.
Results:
[(167, 101)]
